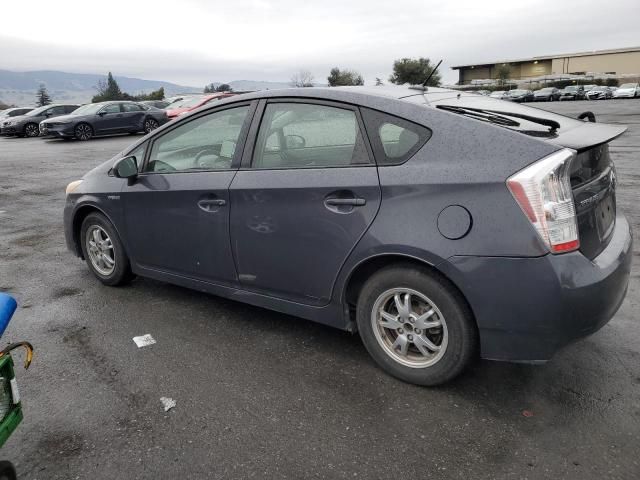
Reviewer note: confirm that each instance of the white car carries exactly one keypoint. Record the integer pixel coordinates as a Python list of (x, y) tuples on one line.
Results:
[(627, 90)]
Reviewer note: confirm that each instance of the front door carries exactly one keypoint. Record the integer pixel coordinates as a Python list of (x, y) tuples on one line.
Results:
[(177, 212), (108, 119), (308, 193)]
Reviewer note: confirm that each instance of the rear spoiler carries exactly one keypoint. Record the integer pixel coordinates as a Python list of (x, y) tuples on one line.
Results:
[(587, 135)]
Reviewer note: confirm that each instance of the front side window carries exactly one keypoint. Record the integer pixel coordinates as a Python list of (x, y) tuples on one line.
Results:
[(208, 142), (299, 135), (55, 111), (131, 107), (394, 139), (113, 108)]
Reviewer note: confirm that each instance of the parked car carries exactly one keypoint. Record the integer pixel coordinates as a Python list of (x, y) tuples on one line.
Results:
[(486, 93), (500, 94), (547, 94), (599, 93), (588, 88), (627, 90), (191, 103), (310, 198), (160, 104), (520, 95), (27, 125), (13, 112), (105, 118), (572, 92)]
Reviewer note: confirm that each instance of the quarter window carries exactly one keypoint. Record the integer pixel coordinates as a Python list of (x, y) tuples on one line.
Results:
[(394, 139), (208, 142), (299, 135)]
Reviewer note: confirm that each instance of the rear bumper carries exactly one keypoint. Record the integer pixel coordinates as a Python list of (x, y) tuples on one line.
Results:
[(529, 308)]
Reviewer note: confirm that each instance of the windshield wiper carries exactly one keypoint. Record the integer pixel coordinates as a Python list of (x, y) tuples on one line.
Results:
[(480, 114), (552, 124)]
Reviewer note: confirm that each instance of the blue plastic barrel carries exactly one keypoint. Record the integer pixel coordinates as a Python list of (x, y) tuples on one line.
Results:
[(8, 305)]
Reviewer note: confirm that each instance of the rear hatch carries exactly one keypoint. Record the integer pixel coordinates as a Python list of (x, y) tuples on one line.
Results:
[(593, 177)]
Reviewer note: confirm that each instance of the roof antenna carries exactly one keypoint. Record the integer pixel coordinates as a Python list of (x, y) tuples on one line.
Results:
[(431, 74)]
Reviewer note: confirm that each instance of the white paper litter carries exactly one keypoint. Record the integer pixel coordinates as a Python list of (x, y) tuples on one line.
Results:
[(167, 403), (144, 340)]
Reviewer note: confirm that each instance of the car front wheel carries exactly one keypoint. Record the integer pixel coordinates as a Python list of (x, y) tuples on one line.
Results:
[(83, 132), (416, 325), (103, 251), (31, 130)]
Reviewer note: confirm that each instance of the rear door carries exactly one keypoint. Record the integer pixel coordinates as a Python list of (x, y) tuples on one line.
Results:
[(177, 212), (132, 117), (307, 192)]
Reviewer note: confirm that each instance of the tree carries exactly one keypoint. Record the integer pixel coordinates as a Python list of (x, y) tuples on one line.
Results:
[(414, 71), (224, 87), (155, 95), (503, 72), (209, 88), (303, 78), (109, 90), (378, 82), (42, 96), (338, 78)]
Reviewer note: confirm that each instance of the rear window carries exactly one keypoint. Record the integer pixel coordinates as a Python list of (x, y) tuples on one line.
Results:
[(394, 139)]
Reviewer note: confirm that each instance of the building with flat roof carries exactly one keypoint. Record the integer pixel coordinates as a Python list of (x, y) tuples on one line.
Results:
[(618, 62)]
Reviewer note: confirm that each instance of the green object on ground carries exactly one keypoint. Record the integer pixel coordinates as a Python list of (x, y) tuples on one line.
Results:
[(10, 406)]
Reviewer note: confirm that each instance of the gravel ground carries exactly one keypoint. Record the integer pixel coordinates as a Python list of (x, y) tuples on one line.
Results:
[(264, 395)]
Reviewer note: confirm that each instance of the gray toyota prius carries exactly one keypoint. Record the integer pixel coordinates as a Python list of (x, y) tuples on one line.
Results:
[(439, 225)]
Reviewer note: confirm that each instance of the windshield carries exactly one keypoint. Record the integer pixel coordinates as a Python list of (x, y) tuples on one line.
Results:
[(570, 89), (517, 92), (599, 89), (187, 102), (548, 89), (38, 111), (88, 109), (628, 85)]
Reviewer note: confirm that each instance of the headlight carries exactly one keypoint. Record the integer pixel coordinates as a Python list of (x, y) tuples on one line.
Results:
[(72, 186)]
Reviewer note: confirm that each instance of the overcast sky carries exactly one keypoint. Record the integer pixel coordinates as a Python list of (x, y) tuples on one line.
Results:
[(193, 42)]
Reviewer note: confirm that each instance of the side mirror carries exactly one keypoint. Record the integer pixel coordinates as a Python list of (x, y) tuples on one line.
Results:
[(102, 114), (126, 167), (294, 141)]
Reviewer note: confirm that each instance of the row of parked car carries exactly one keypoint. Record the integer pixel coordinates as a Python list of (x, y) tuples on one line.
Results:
[(83, 122), (571, 92)]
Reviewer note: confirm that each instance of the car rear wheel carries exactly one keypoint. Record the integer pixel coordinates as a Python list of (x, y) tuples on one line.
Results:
[(31, 130), (150, 124), (103, 251), (83, 132), (416, 325)]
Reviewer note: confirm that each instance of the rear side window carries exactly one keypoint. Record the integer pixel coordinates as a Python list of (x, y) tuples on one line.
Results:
[(304, 135), (394, 139)]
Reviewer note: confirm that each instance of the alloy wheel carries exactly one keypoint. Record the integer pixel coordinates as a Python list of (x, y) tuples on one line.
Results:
[(409, 327), (150, 124), (100, 250), (32, 130), (83, 132)]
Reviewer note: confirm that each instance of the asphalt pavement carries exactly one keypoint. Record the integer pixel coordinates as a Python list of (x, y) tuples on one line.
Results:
[(264, 395)]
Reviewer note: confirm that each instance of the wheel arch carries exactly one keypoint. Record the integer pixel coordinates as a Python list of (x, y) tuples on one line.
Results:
[(369, 266), (78, 217)]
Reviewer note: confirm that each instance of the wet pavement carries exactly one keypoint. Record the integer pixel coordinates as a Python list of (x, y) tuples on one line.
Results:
[(264, 395)]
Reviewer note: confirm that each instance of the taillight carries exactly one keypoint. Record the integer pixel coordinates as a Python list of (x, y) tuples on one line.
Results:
[(543, 191)]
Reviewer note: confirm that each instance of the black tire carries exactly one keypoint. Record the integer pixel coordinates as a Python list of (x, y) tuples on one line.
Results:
[(150, 124), (7, 471), (83, 132), (120, 272), (462, 343), (31, 130)]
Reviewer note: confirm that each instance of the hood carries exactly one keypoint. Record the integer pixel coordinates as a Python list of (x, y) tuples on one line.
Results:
[(61, 118), (18, 119)]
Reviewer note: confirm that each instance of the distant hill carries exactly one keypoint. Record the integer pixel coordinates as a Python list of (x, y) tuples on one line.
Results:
[(19, 88)]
